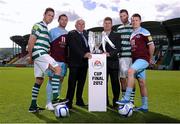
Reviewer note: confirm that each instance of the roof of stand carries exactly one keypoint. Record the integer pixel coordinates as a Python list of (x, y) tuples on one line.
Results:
[(155, 27), (20, 40)]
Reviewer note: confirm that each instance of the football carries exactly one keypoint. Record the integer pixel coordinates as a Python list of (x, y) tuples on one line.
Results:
[(126, 110), (61, 111)]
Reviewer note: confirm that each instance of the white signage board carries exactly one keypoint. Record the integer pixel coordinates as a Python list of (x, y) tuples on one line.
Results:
[(97, 83)]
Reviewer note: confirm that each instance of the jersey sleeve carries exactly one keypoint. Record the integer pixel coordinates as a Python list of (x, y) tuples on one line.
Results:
[(149, 40), (35, 30)]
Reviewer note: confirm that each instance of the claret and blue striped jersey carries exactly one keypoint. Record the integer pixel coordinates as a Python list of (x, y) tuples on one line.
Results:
[(140, 39), (58, 48)]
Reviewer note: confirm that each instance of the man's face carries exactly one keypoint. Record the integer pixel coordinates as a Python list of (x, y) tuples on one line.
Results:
[(124, 17), (63, 21), (80, 25), (48, 17), (136, 22), (107, 25)]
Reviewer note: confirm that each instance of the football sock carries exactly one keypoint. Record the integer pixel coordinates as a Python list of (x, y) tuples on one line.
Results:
[(35, 92), (144, 102), (132, 95), (55, 86), (49, 91), (128, 93), (59, 89), (123, 93)]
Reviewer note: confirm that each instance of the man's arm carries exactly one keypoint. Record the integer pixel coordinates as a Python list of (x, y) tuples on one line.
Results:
[(31, 42), (73, 42), (117, 42), (151, 52)]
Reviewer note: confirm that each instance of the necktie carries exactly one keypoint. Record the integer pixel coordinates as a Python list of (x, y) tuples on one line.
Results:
[(85, 40)]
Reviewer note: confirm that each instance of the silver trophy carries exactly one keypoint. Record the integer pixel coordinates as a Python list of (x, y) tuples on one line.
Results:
[(95, 41)]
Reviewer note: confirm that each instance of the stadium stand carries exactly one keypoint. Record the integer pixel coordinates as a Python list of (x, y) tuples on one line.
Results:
[(19, 50), (14, 59), (22, 61), (166, 36)]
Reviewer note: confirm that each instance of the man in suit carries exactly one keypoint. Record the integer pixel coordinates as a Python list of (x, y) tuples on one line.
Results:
[(112, 59), (79, 54)]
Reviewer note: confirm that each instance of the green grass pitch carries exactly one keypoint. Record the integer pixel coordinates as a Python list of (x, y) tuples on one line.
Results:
[(15, 96)]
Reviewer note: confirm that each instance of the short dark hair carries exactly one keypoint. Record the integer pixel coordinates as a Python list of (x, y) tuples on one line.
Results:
[(49, 9), (123, 10), (62, 16), (108, 19), (136, 15)]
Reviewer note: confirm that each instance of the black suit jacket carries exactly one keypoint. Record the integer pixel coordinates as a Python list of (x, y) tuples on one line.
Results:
[(113, 61), (77, 49)]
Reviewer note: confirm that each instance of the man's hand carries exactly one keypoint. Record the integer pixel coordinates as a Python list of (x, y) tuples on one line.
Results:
[(107, 54), (151, 62), (29, 60), (31, 42), (88, 55)]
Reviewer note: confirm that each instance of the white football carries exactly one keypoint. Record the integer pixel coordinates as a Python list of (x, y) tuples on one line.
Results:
[(126, 109), (61, 111)]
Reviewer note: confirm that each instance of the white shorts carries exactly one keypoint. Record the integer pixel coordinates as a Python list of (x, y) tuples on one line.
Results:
[(124, 64), (41, 65)]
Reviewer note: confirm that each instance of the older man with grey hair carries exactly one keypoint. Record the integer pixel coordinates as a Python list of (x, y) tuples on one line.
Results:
[(79, 54)]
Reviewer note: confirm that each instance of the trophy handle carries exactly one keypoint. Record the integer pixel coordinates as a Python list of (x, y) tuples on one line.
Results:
[(91, 41)]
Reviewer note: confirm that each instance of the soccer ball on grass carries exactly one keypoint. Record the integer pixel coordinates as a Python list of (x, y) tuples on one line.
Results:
[(61, 111), (126, 110)]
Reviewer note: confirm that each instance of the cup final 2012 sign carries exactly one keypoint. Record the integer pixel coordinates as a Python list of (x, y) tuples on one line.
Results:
[(97, 83)]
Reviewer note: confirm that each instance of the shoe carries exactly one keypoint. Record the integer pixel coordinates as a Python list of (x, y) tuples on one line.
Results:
[(141, 109), (50, 107), (35, 109), (122, 102), (111, 106), (64, 101), (115, 106), (133, 105), (80, 104), (132, 102), (59, 101), (69, 106)]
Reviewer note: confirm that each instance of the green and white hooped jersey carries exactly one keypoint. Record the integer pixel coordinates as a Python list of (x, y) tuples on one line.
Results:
[(125, 32), (42, 44)]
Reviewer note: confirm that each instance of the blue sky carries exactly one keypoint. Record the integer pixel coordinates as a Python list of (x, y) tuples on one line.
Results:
[(18, 16)]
